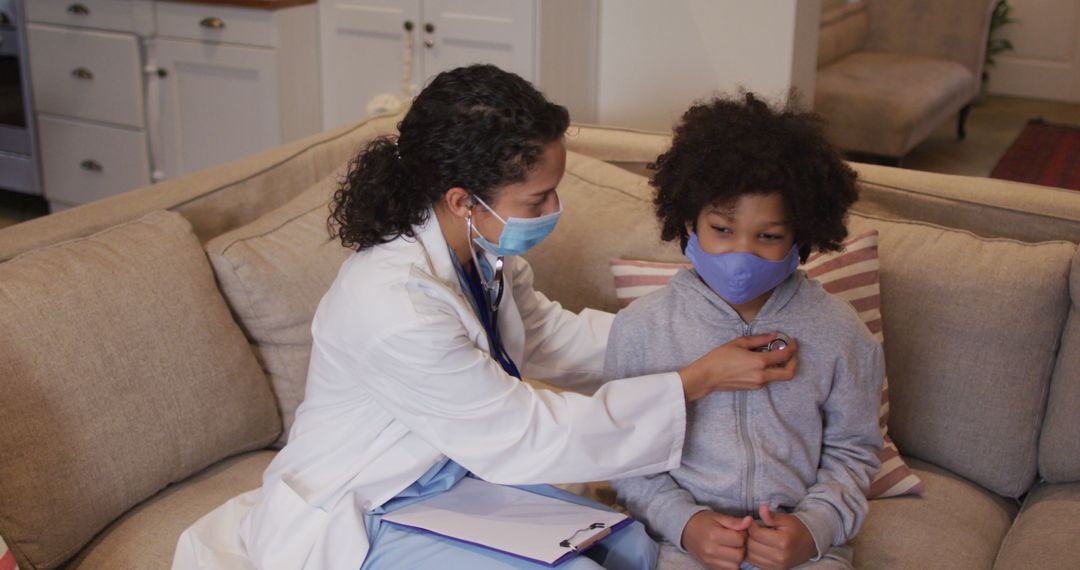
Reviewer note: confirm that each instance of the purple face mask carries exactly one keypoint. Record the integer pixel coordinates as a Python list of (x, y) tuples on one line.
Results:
[(740, 277)]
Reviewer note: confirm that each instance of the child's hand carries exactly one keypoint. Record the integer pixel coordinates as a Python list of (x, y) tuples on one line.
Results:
[(783, 541), (717, 541)]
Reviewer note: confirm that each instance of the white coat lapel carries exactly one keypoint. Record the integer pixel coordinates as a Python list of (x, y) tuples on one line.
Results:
[(430, 238)]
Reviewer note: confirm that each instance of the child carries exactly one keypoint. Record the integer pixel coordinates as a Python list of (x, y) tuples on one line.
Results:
[(771, 478)]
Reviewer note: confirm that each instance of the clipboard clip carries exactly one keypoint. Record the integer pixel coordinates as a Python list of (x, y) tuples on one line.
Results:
[(575, 547)]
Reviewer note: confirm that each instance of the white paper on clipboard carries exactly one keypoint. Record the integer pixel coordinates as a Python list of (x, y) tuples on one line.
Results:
[(510, 520)]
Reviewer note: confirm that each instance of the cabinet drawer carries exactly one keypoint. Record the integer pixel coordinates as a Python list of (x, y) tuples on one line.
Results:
[(116, 15), (83, 162), (217, 23), (86, 74)]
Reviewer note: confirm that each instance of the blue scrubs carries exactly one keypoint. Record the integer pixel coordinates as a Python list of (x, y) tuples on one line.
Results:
[(393, 547)]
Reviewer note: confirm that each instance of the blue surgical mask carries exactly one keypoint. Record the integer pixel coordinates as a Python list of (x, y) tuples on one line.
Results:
[(518, 234), (740, 277)]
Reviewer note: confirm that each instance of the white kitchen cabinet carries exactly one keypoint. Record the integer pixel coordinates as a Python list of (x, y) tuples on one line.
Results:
[(88, 74), (233, 82), (175, 87), (87, 81), (219, 102), (84, 161), (365, 45)]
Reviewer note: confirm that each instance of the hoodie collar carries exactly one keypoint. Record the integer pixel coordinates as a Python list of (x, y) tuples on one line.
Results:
[(781, 295)]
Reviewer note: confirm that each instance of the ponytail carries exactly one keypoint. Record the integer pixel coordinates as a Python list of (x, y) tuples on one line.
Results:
[(374, 203)]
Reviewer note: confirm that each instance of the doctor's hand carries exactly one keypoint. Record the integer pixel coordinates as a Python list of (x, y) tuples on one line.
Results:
[(780, 542), (737, 366), (717, 541)]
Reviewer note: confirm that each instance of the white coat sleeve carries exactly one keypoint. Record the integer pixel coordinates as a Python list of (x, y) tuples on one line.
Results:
[(562, 348), (432, 378)]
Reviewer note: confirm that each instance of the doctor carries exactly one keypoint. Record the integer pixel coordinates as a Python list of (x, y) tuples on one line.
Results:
[(420, 344)]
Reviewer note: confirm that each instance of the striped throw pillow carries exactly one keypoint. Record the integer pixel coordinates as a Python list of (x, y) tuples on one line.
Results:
[(851, 274), (7, 559)]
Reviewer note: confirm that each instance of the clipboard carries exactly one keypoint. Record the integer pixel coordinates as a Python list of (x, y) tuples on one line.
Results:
[(509, 520)]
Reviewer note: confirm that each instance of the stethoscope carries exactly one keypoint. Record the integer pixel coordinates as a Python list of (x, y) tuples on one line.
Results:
[(493, 289), (781, 342)]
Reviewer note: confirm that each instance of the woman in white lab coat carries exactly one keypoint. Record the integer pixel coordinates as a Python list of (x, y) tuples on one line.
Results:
[(420, 344)]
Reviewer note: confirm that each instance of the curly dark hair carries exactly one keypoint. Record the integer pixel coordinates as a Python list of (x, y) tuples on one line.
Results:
[(727, 147), (476, 127)]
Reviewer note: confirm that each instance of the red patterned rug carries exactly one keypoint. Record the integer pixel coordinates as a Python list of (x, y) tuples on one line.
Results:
[(1043, 153)]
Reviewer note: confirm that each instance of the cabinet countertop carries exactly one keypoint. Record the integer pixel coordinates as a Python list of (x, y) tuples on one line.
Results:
[(261, 4)]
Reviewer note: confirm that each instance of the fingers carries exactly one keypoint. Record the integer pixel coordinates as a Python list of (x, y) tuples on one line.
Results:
[(755, 341), (766, 515), (764, 557), (782, 373), (733, 523)]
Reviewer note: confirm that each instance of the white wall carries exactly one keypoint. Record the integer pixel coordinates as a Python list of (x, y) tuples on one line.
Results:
[(656, 58), (1046, 61)]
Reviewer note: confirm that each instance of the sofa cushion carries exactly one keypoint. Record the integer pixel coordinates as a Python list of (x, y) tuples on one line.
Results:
[(1044, 533), (571, 265), (905, 97), (123, 372), (1059, 443), (972, 327), (145, 537), (954, 524), (273, 272), (843, 30)]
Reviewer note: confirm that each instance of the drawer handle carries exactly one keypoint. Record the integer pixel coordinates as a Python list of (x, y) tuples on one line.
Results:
[(212, 23), (91, 165), (78, 10), (82, 73)]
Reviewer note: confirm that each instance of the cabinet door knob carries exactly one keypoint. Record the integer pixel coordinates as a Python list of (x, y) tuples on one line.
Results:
[(78, 10), (82, 73), (409, 25), (91, 165), (212, 23)]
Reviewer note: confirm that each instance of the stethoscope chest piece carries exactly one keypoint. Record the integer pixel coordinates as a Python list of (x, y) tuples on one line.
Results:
[(781, 342)]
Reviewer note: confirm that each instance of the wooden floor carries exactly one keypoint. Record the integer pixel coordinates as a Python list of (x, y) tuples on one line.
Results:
[(991, 128)]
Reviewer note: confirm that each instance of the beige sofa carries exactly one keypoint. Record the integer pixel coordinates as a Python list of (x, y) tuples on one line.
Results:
[(152, 346)]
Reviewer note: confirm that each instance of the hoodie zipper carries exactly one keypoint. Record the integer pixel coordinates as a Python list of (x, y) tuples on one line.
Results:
[(744, 429)]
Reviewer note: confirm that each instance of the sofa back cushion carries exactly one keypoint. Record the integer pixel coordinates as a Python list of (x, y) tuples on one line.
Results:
[(843, 30), (123, 372), (273, 272), (972, 327), (1059, 443), (607, 213), (947, 29)]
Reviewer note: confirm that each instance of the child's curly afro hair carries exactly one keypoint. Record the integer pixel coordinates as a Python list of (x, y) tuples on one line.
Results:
[(728, 147)]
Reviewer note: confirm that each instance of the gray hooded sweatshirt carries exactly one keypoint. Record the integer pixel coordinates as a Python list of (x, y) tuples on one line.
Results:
[(808, 447)]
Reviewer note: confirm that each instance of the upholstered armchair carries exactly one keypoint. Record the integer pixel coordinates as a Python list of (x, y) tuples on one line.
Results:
[(891, 71)]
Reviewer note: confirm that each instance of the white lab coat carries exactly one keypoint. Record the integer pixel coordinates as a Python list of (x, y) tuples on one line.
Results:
[(400, 377)]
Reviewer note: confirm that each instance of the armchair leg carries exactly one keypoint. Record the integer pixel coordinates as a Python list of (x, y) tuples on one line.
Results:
[(961, 130)]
